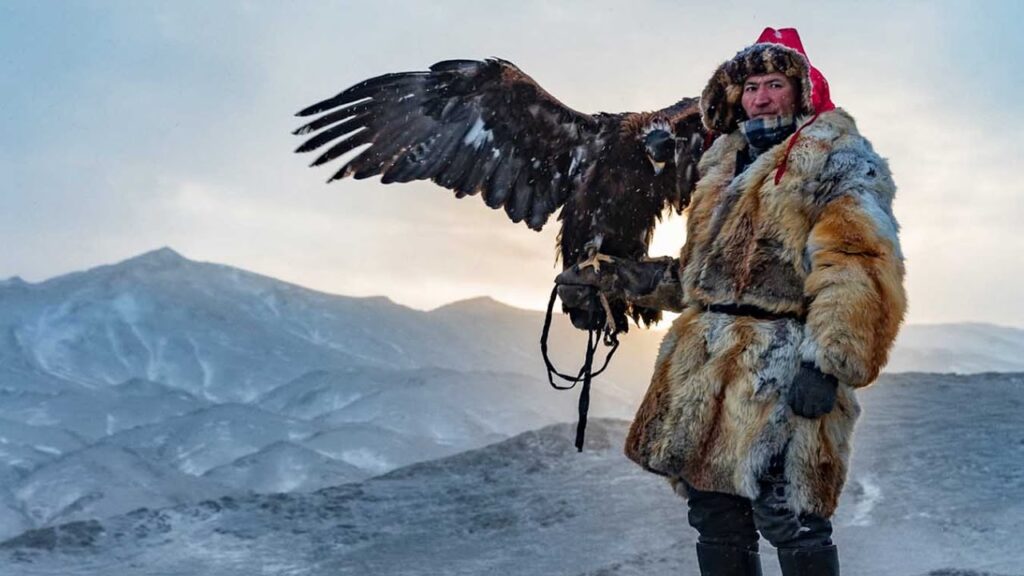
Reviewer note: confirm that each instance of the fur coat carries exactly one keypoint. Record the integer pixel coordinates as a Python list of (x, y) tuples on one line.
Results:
[(819, 249)]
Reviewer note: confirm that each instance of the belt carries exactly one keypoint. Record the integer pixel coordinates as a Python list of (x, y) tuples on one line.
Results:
[(753, 312)]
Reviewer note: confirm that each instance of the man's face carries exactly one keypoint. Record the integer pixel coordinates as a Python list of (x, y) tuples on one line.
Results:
[(768, 95)]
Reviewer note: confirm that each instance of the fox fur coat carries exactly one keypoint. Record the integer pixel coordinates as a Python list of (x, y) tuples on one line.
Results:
[(818, 251)]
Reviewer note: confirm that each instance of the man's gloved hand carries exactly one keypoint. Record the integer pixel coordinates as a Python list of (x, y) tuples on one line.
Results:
[(813, 393), (639, 279), (651, 282), (605, 280)]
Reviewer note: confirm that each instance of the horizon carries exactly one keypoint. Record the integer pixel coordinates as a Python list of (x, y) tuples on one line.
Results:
[(170, 125), (660, 327)]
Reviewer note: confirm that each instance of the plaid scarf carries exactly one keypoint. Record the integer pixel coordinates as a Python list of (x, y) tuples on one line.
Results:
[(763, 133)]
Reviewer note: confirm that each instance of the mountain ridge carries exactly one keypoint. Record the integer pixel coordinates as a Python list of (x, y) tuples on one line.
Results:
[(167, 256)]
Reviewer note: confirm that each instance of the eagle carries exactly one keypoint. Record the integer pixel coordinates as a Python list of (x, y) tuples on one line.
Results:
[(486, 128)]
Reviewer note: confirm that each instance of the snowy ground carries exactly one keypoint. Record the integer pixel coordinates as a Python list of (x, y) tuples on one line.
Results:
[(930, 491)]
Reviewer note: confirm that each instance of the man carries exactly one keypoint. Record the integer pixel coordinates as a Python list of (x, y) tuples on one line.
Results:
[(792, 294)]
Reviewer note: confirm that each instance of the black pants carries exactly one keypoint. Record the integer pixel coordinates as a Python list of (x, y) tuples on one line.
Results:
[(729, 520)]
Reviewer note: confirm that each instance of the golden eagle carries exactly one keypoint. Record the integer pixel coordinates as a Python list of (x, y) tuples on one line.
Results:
[(486, 127)]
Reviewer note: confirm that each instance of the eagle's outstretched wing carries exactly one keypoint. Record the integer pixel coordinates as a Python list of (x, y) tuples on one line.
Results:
[(469, 126), (486, 127)]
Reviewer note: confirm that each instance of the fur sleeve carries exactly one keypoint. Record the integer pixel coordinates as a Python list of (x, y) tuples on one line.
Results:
[(854, 290)]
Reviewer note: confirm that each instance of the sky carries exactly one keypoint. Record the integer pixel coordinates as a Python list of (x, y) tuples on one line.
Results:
[(131, 125)]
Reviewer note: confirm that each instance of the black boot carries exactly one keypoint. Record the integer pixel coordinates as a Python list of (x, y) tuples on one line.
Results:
[(823, 561), (720, 560)]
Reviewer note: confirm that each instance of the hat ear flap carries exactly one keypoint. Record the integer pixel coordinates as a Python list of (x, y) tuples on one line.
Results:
[(714, 110), (733, 94), (734, 103)]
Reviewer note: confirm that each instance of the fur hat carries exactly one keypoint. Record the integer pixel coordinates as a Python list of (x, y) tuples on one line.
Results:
[(775, 51)]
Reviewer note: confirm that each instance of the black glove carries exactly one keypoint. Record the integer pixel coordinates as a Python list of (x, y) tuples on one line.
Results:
[(641, 278), (652, 283), (813, 393)]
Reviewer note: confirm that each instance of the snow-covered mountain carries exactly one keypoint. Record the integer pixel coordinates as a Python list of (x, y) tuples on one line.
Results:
[(217, 332), (101, 480), (160, 380), (935, 489), (223, 334), (97, 412), (378, 450), (162, 367), (450, 406), (13, 519), (205, 439), (963, 348), (24, 447), (285, 467)]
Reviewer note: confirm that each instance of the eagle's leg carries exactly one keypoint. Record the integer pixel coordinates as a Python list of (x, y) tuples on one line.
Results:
[(594, 256), (595, 261)]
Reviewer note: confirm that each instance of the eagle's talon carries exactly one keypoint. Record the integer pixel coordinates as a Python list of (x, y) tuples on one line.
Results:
[(595, 260)]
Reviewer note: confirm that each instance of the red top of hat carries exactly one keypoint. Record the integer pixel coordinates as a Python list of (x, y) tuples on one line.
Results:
[(790, 38)]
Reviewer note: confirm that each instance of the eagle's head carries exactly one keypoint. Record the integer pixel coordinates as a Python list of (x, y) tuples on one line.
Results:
[(660, 148)]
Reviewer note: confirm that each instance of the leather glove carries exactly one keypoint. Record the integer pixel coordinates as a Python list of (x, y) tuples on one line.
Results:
[(641, 278), (651, 282), (812, 393)]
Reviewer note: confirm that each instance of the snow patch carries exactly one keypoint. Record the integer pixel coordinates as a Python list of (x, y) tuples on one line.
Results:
[(48, 449), (127, 307), (187, 465), (866, 503), (205, 367), (270, 300), (366, 459)]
